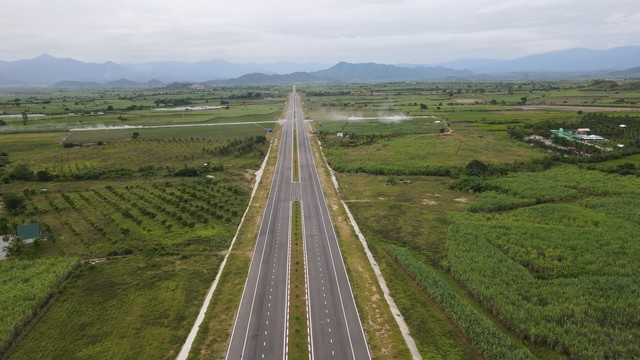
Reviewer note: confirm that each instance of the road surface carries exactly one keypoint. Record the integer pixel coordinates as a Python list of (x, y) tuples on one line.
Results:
[(260, 329), (335, 328)]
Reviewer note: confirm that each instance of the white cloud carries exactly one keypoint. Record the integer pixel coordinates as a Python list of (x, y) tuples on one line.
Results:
[(323, 30)]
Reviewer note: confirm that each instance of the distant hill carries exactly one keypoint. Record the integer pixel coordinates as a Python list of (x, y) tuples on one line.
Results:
[(344, 72), (169, 71), (46, 70), (264, 79), (572, 60), (117, 84), (369, 72), (633, 73)]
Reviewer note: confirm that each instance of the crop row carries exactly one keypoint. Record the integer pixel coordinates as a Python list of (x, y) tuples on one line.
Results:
[(562, 273), (132, 213), (491, 342)]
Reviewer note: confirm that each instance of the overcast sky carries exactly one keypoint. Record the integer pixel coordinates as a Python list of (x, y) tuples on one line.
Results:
[(325, 31)]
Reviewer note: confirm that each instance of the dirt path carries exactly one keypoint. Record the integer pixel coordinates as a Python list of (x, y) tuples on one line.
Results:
[(64, 138)]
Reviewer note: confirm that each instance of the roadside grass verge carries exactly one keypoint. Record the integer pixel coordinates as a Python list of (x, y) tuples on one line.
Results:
[(215, 331), (384, 338)]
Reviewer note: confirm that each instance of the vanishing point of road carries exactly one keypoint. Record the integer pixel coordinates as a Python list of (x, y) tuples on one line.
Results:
[(260, 330)]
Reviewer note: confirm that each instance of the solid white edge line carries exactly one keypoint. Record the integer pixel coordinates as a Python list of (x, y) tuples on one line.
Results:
[(286, 309), (272, 189), (316, 178), (246, 336), (186, 347), (331, 256), (411, 344), (306, 271)]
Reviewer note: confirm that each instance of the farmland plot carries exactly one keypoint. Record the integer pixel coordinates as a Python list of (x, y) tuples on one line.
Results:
[(24, 285), (563, 272)]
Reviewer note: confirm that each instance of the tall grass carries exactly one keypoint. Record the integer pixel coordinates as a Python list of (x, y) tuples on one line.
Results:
[(490, 341), (24, 285), (561, 273)]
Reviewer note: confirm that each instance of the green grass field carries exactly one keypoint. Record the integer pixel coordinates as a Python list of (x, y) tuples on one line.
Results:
[(426, 125), (64, 110), (546, 230), (425, 154), (151, 202), (138, 307), (24, 285), (559, 273), (540, 263), (411, 214), (216, 133), (632, 159)]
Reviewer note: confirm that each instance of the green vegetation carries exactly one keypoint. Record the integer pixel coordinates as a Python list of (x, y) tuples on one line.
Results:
[(559, 273), (213, 133), (296, 166), (480, 232), (509, 240), (139, 307), (298, 344), (161, 206), (384, 337), (361, 127), (411, 214), (424, 154), (478, 328), (65, 110), (25, 286)]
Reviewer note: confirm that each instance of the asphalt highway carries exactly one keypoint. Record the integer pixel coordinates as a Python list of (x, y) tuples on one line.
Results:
[(261, 327), (334, 325)]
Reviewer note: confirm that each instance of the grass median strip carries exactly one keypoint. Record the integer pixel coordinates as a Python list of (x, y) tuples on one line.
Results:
[(298, 339), (296, 167)]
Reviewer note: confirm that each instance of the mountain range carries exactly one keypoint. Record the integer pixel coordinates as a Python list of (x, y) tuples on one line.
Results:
[(46, 70), (568, 61)]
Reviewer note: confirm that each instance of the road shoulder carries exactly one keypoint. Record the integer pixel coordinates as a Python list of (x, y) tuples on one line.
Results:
[(384, 337)]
